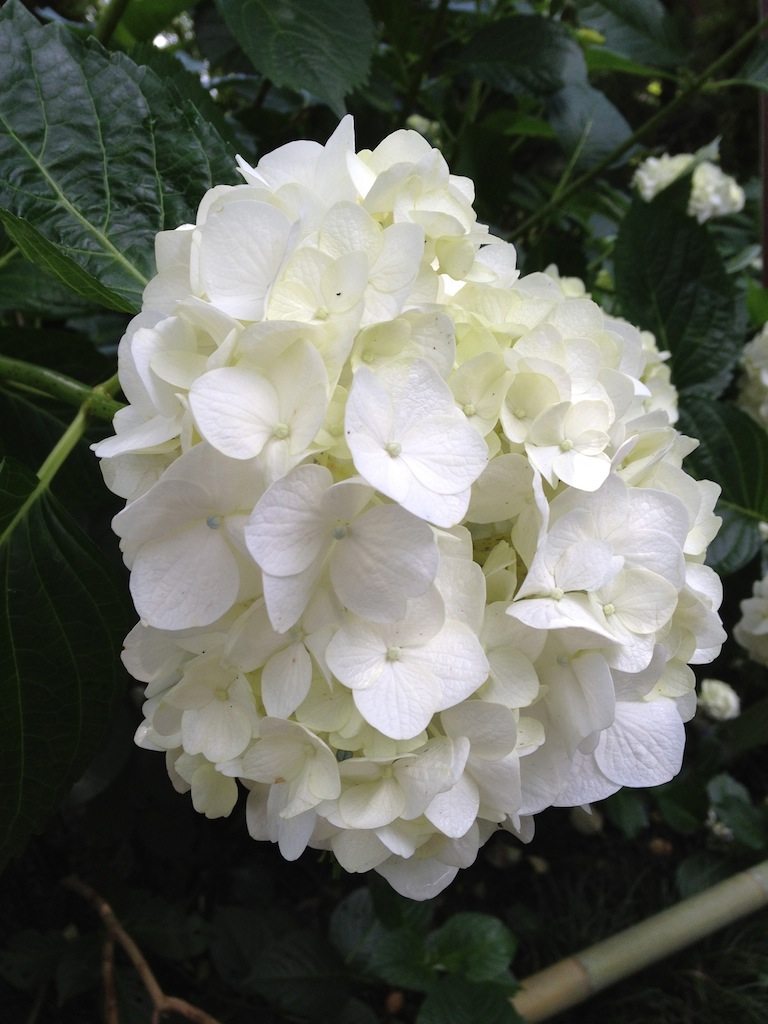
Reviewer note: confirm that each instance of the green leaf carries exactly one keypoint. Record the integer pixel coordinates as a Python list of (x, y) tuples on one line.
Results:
[(670, 280), (757, 303), (400, 958), (354, 928), (600, 59), (525, 54), (749, 730), (733, 451), (168, 929), (628, 812), (26, 288), (321, 46), (63, 620), (302, 975), (458, 1001), (754, 71), (96, 156), (145, 18), (733, 807), (640, 30), (477, 946), (28, 960), (587, 124), (700, 871)]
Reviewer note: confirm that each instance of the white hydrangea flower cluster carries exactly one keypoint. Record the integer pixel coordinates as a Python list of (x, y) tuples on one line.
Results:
[(713, 193), (409, 536)]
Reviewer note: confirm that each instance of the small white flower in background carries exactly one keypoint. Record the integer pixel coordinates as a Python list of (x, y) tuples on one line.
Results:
[(718, 700), (751, 631), (409, 537), (713, 193), (753, 386)]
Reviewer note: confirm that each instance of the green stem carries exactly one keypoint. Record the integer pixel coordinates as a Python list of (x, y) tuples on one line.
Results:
[(96, 401), (62, 449), (423, 65), (108, 19), (653, 122), (8, 256)]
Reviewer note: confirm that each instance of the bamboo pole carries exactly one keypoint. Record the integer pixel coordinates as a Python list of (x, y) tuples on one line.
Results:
[(578, 977)]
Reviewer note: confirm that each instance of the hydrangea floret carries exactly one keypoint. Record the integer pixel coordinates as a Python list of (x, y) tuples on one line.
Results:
[(410, 540), (713, 193)]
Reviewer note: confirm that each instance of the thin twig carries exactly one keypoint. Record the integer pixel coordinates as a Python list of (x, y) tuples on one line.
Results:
[(108, 980), (161, 1002)]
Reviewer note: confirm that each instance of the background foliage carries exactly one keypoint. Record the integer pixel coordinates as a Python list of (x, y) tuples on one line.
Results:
[(114, 119)]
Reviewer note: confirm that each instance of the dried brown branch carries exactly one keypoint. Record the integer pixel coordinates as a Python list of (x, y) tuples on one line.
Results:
[(117, 934)]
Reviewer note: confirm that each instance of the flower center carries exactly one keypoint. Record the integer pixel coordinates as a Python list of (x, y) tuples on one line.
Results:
[(566, 445), (213, 522), (393, 449), (340, 531), (556, 593), (608, 609), (221, 694), (281, 431), (394, 654), (469, 409)]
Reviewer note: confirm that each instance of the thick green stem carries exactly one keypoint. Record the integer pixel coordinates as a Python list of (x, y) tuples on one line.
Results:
[(109, 18), (573, 980), (653, 122), (62, 449), (97, 401)]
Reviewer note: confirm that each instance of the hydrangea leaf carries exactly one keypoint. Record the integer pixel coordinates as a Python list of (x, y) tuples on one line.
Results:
[(587, 124), (303, 975), (640, 30), (670, 280), (458, 1000), (321, 46), (63, 617), (85, 182), (733, 452), (476, 946), (525, 54)]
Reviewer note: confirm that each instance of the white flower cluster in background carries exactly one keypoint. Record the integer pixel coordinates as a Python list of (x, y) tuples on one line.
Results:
[(409, 537), (753, 389), (751, 631), (719, 700), (713, 193)]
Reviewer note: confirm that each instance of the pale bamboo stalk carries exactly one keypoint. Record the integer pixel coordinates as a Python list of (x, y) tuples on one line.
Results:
[(578, 977)]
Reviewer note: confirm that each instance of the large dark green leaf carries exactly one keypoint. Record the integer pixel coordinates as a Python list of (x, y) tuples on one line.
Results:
[(321, 46), (458, 1001), (479, 947), (525, 54), (587, 124), (302, 974), (670, 279), (62, 621), (733, 452), (640, 30), (96, 156)]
